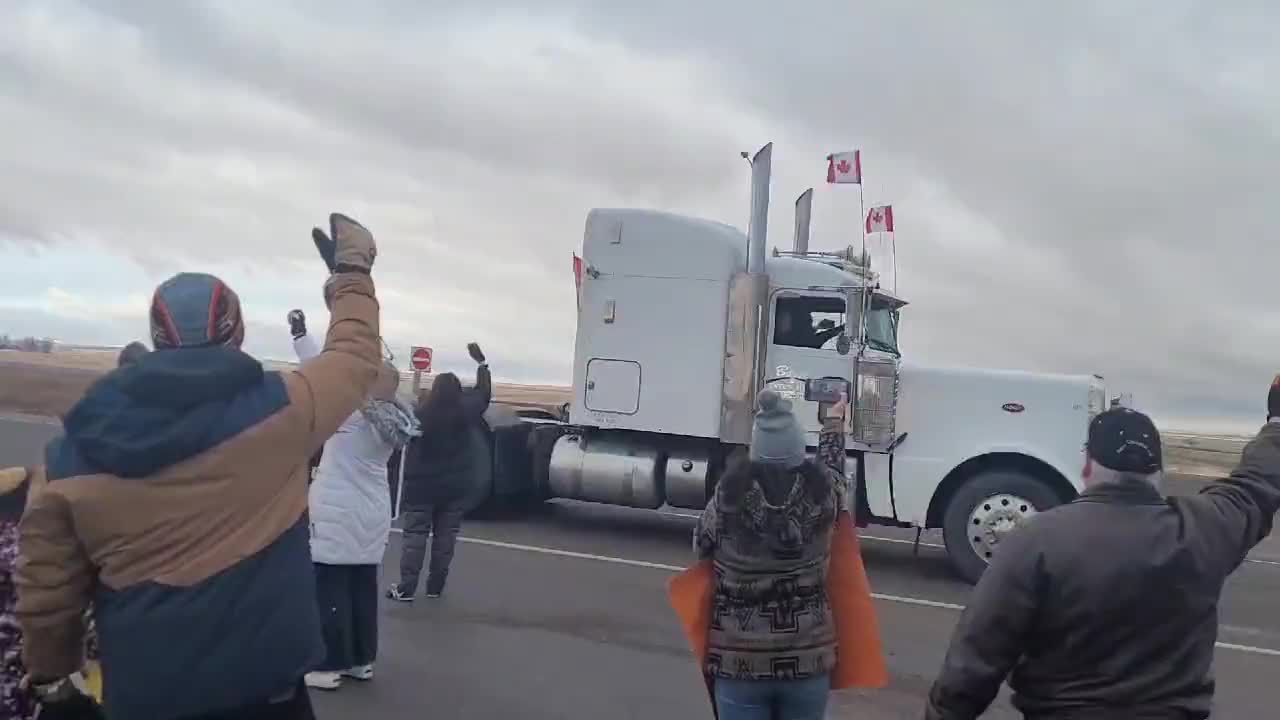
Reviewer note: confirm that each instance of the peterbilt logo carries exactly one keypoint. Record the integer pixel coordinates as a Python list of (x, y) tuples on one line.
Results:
[(1012, 407)]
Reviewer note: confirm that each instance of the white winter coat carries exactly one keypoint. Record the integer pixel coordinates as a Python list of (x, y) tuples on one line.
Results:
[(350, 500)]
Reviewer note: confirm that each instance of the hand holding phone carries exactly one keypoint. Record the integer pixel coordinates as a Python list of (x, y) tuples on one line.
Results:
[(832, 396)]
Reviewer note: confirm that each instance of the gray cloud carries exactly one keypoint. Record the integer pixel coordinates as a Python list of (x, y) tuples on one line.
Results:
[(1078, 187)]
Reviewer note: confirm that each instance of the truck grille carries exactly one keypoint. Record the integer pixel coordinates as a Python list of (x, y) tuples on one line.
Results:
[(876, 402)]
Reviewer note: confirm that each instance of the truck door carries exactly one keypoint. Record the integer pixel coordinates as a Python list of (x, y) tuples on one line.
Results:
[(805, 326)]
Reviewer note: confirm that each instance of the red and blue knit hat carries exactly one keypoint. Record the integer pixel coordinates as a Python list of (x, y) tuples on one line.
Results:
[(195, 310)]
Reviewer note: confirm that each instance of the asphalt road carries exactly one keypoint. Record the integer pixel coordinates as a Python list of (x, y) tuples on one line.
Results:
[(563, 614)]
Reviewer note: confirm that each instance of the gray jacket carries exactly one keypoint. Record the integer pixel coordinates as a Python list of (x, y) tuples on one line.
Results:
[(1107, 607)]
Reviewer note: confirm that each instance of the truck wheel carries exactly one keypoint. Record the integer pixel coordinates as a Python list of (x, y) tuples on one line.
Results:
[(984, 511)]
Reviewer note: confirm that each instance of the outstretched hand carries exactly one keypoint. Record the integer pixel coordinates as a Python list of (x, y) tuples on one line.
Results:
[(840, 408), (347, 247), (473, 349), (297, 323)]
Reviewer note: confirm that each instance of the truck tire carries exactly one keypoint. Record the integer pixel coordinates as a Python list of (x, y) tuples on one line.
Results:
[(984, 510)]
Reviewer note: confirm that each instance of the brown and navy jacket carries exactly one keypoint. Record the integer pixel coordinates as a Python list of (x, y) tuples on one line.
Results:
[(176, 504)]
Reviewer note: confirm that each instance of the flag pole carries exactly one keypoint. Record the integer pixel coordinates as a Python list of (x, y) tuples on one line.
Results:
[(893, 245), (862, 220), (862, 230)]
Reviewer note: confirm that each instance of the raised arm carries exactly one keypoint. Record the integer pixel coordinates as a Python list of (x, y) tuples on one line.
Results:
[(332, 384), (831, 449), (304, 345), (1235, 514), (476, 400)]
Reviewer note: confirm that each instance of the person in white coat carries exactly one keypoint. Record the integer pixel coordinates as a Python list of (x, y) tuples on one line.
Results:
[(350, 513)]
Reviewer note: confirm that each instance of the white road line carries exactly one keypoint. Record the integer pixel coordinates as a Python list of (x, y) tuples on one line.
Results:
[(901, 599), (1249, 649), (571, 554)]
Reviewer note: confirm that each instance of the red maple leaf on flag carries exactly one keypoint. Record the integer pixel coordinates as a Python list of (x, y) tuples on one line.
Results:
[(844, 168), (877, 217)]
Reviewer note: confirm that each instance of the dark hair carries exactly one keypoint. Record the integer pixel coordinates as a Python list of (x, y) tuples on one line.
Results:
[(776, 481), (131, 354), (440, 411)]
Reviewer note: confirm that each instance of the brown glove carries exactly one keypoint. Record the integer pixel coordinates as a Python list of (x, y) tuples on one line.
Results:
[(348, 247)]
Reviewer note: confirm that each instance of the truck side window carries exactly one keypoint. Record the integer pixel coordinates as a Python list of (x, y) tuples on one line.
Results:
[(813, 321)]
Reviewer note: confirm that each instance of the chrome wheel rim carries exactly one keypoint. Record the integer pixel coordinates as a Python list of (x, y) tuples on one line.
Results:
[(993, 519)]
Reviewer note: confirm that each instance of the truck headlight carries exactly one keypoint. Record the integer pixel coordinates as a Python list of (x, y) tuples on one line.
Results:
[(876, 403)]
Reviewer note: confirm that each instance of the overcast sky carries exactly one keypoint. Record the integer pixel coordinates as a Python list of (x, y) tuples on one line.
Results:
[(1078, 187)]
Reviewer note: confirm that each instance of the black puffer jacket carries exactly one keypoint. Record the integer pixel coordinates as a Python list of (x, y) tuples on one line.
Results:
[(1107, 607), (441, 464)]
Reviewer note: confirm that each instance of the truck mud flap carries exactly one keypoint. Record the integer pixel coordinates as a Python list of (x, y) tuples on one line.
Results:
[(512, 469), (861, 507)]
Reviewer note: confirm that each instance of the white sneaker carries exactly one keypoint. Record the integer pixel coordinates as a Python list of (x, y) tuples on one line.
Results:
[(323, 680), (362, 673)]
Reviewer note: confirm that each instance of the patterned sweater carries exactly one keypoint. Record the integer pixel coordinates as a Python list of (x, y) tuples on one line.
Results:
[(14, 702), (768, 534)]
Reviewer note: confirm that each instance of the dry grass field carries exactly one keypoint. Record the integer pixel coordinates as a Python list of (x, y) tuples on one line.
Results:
[(48, 384)]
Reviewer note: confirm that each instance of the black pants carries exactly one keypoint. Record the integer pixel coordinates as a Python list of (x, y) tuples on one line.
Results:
[(348, 596), (441, 523), (297, 707)]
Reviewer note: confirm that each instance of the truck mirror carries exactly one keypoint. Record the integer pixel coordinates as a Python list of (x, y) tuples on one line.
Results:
[(842, 344)]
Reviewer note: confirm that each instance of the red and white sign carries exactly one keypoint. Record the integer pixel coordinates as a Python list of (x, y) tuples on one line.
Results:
[(845, 167), (420, 359), (880, 219)]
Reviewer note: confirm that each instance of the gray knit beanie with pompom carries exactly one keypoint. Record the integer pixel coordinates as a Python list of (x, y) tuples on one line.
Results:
[(776, 437)]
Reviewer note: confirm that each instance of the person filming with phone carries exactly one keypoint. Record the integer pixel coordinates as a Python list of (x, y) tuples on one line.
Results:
[(768, 530)]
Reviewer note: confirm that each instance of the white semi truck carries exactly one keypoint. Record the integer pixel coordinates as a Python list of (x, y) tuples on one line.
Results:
[(681, 321)]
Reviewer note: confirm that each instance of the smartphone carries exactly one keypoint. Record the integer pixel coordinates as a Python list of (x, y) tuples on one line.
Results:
[(826, 392)]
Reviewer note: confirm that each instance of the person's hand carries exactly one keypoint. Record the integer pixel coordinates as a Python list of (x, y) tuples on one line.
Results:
[(348, 246), (840, 408), (297, 323), (78, 707), (473, 349), (61, 700), (1273, 399)]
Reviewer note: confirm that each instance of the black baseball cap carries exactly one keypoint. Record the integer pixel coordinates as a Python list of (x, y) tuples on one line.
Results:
[(1125, 440)]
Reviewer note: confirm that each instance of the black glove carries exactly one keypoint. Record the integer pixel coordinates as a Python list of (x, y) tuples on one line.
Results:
[(62, 700), (1273, 399), (78, 707), (297, 323), (473, 349)]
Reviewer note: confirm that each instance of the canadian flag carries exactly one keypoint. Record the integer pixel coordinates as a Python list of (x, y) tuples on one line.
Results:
[(845, 167), (880, 219)]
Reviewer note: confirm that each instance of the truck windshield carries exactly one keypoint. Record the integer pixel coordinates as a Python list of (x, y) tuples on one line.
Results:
[(882, 327)]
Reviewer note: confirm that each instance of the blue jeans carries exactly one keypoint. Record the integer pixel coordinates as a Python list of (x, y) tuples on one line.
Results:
[(773, 699)]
